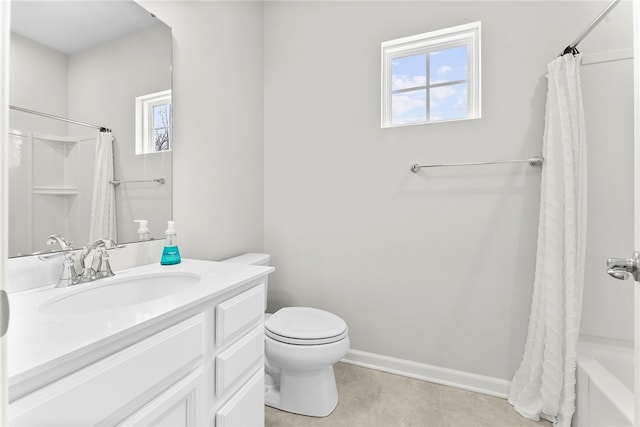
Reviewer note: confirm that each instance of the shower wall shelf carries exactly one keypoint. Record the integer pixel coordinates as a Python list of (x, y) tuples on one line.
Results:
[(55, 138), (55, 191)]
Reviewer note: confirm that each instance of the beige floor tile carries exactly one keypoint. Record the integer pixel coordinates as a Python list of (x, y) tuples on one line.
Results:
[(371, 398)]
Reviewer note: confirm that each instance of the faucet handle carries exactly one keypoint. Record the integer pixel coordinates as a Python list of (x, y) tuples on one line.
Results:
[(68, 276), (104, 268)]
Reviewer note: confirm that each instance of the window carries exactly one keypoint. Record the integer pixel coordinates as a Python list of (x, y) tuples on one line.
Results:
[(153, 123), (431, 77)]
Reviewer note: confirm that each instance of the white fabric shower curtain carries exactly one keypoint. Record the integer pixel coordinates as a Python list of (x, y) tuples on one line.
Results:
[(103, 201), (544, 384)]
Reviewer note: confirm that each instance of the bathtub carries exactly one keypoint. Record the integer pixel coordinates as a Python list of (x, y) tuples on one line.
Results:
[(604, 386)]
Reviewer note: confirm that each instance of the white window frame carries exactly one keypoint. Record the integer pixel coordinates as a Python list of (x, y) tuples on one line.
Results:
[(144, 121), (462, 35)]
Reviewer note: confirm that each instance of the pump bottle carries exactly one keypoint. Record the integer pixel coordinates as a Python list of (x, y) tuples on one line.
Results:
[(170, 254), (143, 231)]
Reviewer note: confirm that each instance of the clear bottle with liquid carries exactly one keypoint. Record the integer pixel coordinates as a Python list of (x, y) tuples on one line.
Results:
[(143, 231), (170, 253)]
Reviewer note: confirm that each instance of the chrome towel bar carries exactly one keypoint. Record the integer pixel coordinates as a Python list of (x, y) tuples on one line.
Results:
[(534, 161), (117, 182)]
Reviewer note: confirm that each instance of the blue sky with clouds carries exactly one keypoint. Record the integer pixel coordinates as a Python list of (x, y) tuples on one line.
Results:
[(446, 102)]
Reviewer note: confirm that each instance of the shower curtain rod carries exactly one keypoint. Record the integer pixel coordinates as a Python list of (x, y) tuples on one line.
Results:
[(572, 47), (51, 116)]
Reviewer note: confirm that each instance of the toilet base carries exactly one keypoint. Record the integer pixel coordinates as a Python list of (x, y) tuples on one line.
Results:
[(312, 393)]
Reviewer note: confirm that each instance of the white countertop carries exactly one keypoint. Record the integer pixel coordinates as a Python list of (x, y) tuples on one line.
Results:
[(39, 342)]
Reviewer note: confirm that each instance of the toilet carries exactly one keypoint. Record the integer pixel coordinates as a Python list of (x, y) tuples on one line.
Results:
[(301, 346)]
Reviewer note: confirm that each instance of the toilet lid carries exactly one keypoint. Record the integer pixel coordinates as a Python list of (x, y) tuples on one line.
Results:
[(305, 326)]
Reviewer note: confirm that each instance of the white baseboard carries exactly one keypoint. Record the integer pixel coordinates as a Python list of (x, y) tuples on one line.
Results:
[(435, 374)]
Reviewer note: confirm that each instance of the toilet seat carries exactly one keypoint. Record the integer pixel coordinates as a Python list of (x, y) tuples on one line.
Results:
[(305, 326)]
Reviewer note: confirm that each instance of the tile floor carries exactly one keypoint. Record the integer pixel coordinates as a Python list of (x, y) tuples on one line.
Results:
[(370, 398)]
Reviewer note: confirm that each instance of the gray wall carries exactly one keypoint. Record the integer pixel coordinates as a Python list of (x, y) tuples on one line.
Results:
[(218, 152), (38, 82), (103, 84), (436, 267), (98, 86)]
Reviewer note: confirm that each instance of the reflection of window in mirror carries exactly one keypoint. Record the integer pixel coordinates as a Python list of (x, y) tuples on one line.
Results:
[(153, 122)]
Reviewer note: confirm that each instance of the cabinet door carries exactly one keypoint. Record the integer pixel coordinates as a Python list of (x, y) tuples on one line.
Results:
[(176, 407), (98, 392), (246, 407)]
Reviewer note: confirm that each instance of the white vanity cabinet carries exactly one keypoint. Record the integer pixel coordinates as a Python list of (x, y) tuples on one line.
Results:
[(199, 367), (239, 389)]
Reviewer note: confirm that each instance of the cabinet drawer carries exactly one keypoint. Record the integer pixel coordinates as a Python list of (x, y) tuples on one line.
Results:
[(246, 407), (238, 312), (92, 394), (239, 360)]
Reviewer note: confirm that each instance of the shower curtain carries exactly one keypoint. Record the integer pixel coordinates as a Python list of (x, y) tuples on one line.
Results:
[(544, 384), (103, 202)]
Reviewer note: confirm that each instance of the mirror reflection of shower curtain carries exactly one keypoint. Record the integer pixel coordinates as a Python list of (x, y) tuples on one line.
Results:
[(20, 187), (103, 202)]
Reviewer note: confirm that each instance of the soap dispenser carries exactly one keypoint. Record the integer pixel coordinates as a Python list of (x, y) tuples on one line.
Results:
[(170, 254), (143, 230)]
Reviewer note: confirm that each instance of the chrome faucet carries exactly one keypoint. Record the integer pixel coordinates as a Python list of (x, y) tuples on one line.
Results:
[(99, 268), (60, 241)]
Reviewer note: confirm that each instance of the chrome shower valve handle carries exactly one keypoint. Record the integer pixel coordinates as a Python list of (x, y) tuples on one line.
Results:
[(622, 269)]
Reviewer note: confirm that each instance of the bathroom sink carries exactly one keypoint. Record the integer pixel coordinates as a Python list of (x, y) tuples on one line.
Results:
[(110, 294)]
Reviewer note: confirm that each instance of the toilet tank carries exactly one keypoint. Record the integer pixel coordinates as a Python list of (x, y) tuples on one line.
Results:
[(253, 259), (250, 259)]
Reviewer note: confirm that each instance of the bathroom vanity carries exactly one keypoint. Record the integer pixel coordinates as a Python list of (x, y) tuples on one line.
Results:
[(154, 345)]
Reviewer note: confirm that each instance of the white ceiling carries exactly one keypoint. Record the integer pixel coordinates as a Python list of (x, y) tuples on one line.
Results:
[(72, 26)]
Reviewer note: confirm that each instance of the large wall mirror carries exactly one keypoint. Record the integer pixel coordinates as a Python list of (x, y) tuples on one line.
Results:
[(77, 67)]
